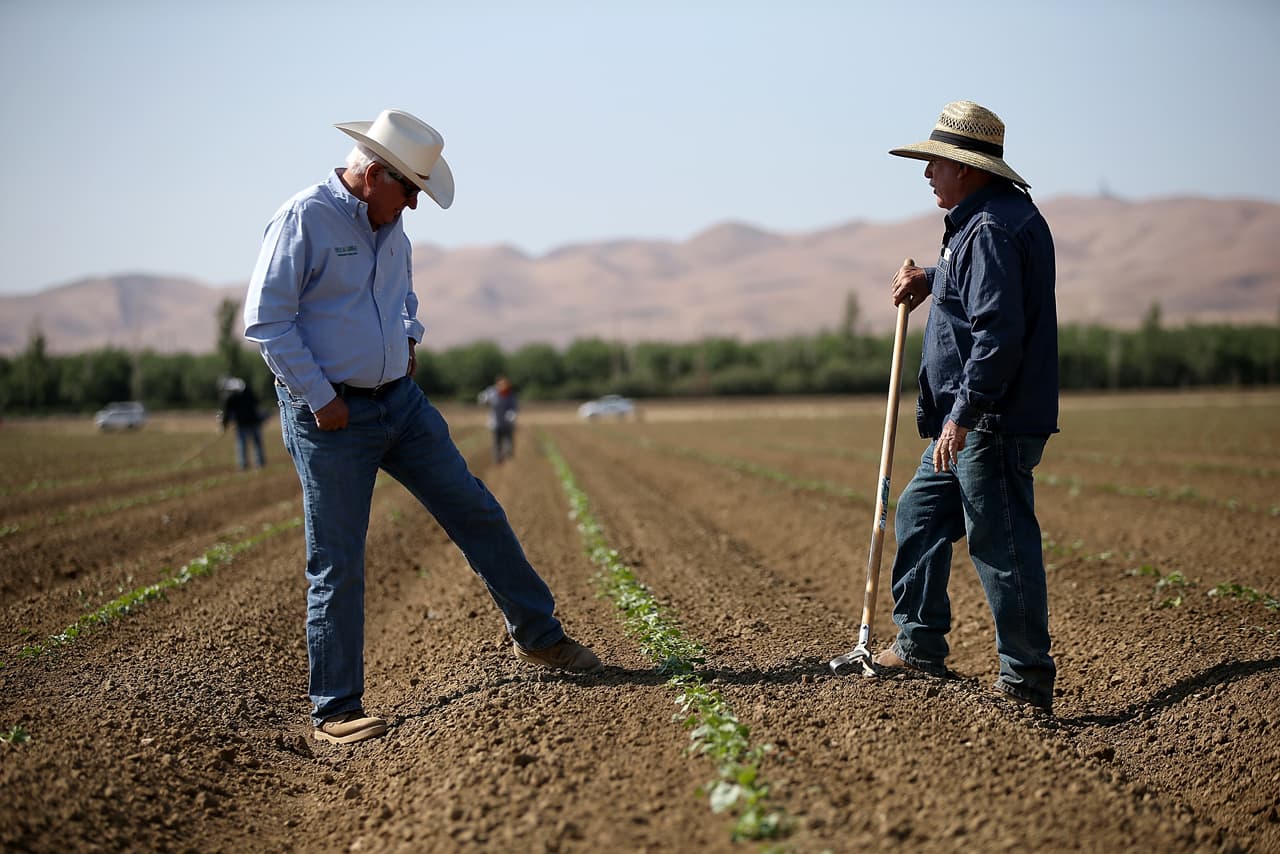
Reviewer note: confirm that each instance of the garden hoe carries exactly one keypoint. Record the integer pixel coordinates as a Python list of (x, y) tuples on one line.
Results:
[(860, 657)]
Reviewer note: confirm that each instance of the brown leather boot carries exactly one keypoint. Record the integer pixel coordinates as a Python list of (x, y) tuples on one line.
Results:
[(349, 727), (564, 654)]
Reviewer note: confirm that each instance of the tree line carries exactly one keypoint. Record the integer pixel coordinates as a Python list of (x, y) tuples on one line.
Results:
[(829, 362)]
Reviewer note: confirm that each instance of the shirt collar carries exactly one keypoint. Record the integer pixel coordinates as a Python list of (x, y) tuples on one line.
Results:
[(342, 196), (960, 214)]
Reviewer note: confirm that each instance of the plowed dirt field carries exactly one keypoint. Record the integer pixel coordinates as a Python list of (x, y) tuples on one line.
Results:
[(152, 693)]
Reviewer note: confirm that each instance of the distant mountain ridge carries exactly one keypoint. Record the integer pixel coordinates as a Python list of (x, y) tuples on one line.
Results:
[(1202, 260)]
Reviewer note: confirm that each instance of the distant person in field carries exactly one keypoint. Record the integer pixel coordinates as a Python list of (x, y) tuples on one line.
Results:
[(988, 401), (241, 406), (503, 410), (331, 305)]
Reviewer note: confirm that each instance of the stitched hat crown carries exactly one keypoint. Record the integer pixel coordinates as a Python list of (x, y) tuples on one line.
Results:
[(970, 119)]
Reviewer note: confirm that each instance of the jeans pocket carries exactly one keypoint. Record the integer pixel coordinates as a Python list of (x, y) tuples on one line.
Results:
[(294, 407), (1028, 451)]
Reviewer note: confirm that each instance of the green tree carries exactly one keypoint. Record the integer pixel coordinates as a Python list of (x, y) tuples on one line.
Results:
[(589, 367), (92, 379), (230, 342), (537, 370), (471, 368), (35, 375)]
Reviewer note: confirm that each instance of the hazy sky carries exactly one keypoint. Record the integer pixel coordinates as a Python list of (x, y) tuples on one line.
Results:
[(160, 137)]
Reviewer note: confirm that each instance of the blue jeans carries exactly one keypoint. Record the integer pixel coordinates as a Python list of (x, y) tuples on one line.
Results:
[(246, 434), (406, 436), (504, 442), (988, 497)]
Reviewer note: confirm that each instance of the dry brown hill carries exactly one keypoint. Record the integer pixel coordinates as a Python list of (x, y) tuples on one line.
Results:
[(1202, 260)]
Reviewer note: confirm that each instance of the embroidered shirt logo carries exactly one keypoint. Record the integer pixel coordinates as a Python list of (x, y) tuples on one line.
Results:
[(345, 250)]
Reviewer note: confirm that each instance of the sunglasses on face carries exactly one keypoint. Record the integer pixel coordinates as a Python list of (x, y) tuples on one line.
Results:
[(408, 186)]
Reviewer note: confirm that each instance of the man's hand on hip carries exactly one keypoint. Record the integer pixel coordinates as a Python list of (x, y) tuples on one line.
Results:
[(333, 415), (948, 446)]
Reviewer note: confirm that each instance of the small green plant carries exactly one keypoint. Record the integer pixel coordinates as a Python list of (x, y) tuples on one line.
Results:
[(1145, 570), (1174, 581), (132, 600), (714, 729), (1246, 594), (14, 735)]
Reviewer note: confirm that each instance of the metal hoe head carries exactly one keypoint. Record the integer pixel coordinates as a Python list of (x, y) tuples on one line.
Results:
[(856, 661)]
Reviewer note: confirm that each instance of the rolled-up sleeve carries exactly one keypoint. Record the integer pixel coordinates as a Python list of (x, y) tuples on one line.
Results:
[(990, 284), (271, 308)]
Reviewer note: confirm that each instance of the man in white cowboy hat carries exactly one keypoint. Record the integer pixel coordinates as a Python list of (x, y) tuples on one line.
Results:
[(332, 308), (988, 403)]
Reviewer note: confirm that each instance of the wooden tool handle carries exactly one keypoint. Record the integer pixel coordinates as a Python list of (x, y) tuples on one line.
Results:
[(886, 468)]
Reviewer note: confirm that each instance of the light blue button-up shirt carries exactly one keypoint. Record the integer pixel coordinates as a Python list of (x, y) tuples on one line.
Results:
[(331, 300)]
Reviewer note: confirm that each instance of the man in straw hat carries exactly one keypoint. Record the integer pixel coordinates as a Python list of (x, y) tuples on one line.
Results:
[(988, 401), (332, 307)]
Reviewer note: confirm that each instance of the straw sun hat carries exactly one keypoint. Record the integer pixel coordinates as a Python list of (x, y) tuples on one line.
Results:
[(966, 133), (411, 146)]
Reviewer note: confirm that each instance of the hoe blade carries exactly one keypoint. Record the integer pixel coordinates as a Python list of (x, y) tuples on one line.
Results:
[(857, 661)]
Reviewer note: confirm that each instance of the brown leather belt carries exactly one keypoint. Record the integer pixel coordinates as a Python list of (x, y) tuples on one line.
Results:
[(344, 391)]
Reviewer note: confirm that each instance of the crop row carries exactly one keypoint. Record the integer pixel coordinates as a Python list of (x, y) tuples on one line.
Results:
[(115, 505), (1173, 584), (214, 557), (1226, 589), (715, 731), (1075, 485)]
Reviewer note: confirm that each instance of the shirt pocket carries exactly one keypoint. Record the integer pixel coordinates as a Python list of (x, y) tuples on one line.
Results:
[(942, 287)]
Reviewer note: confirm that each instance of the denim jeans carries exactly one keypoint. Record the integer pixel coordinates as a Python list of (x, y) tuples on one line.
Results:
[(988, 497), (246, 434), (504, 442), (403, 434)]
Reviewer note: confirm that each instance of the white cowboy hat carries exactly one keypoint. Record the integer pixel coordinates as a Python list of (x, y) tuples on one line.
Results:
[(968, 134), (411, 146)]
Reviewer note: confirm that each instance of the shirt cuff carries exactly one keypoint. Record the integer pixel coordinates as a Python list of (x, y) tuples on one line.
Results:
[(965, 416), (320, 397)]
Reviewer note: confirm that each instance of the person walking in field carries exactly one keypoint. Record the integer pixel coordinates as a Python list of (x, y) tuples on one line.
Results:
[(332, 307), (988, 403), (504, 408), (241, 406)]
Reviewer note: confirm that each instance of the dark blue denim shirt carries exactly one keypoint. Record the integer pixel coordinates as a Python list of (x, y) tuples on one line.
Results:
[(990, 358)]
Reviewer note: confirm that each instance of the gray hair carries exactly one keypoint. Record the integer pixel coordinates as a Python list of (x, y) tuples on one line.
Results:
[(361, 158)]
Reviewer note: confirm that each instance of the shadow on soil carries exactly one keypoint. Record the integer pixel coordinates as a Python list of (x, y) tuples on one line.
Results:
[(1219, 674), (792, 672)]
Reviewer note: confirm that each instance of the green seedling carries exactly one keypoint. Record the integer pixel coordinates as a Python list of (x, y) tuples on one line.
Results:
[(1145, 570), (714, 729), (1246, 594), (14, 735), (128, 602)]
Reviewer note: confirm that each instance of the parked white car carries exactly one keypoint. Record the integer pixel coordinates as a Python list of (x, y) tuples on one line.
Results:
[(609, 406), (126, 415)]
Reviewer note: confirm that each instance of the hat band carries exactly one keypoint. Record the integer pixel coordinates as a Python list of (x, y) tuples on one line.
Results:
[(968, 143)]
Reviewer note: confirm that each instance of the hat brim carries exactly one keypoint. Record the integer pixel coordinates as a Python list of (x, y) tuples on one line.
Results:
[(439, 185), (933, 150)]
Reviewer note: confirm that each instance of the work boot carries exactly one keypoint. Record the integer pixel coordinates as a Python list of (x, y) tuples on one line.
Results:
[(1005, 692), (564, 654), (889, 659), (349, 727)]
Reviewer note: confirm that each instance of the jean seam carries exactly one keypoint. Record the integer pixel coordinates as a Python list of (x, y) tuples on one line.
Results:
[(915, 577), (1010, 535)]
